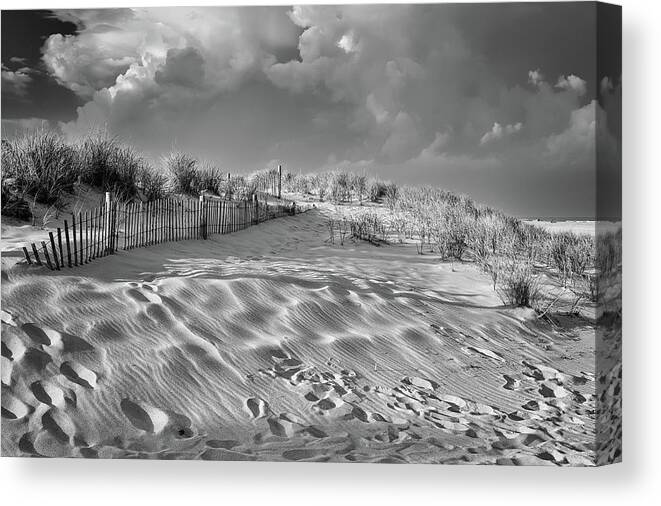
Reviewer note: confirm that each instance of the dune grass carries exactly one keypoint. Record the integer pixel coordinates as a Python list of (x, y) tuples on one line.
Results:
[(514, 254), (42, 167)]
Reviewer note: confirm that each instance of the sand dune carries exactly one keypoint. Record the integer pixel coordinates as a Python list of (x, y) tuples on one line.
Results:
[(271, 344)]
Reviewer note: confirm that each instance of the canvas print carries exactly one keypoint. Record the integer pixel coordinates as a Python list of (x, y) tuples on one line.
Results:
[(313, 233)]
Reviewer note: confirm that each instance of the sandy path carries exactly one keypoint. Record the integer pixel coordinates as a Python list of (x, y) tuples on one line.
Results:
[(270, 344)]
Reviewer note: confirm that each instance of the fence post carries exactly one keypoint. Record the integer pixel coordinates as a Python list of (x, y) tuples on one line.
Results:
[(203, 218), (54, 249), (36, 254), (27, 255), (107, 223), (66, 236), (75, 241), (279, 181), (59, 243), (50, 265)]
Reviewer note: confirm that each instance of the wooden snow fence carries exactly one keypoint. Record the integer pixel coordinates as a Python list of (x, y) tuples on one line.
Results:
[(103, 231)]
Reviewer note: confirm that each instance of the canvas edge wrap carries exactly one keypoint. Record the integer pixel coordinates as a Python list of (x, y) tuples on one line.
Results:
[(608, 333)]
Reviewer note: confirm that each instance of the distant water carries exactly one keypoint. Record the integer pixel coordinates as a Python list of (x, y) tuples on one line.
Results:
[(554, 219), (579, 225)]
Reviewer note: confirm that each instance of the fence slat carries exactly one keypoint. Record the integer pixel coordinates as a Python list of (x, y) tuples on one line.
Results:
[(54, 249), (99, 232), (142, 225), (150, 226), (59, 243), (169, 220), (75, 241), (93, 234), (36, 254), (80, 237), (66, 235), (50, 265), (27, 255)]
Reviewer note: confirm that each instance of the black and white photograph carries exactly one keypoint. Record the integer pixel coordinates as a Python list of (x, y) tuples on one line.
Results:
[(372, 233)]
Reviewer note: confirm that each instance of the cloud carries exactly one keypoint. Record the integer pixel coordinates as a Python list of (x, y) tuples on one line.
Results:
[(535, 77), (92, 59), (347, 43), (437, 146), (230, 42), (16, 82), (403, 139), (572, 82), (183, 67), (586, 132), (498, 132), (399, 89), (578, 140)]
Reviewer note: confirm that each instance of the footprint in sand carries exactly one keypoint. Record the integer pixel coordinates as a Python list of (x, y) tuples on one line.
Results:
[(223, 444), (280, 428), (256, 407), (58, 423), (46, 444), (511, 383), (144, 416), (552, 390), (36, 334), (180, 424), (45, 336), (37, 359), (79, 374), (301, 454), (48, 393), (315, 432), (12, 347), (13, 408), (360, 414), (325, 404)]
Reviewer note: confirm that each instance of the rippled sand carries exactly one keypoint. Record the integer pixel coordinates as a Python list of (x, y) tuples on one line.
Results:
[(271, 344)]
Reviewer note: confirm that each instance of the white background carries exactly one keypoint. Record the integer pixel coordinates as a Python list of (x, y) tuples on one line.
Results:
[(636, 481)]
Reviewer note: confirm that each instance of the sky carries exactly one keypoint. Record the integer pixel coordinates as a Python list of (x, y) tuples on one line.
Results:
[(508, 103)]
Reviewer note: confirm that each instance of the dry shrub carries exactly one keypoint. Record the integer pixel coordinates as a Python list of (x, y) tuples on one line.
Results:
[(108, 165), (609, 252), (182, 171), (40, 164), (519, 285)]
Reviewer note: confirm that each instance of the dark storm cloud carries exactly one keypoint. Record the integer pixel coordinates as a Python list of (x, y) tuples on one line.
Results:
[(496, 100), (23, 34), (183, 67)]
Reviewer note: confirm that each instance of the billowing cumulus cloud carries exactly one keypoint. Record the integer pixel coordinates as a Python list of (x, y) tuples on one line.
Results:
[(535, 77), (572, 82), (402, 91), (498, 131)]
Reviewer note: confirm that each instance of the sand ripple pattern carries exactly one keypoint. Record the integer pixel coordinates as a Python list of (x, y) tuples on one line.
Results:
[(273, 345)]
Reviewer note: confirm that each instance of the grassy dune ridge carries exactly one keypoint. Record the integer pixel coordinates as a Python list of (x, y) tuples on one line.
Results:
[(42, 167), (455, 227)]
